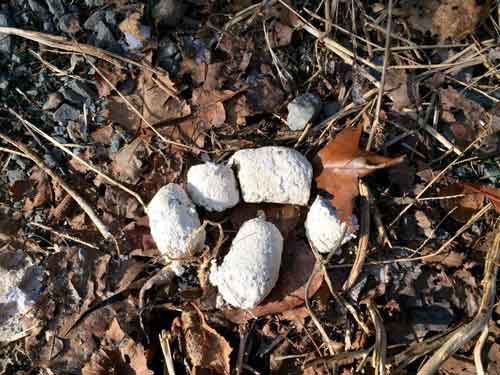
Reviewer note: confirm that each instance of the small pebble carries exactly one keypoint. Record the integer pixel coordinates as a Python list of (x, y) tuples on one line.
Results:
[(302, 110), (66, 113), (251, 268), (212, 186), (20, 288), (273, 174), (323, 227), (175, 225), (69, 24)]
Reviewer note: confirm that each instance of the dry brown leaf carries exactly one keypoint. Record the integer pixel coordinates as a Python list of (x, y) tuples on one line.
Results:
[(128, 162), (112, 73), (43, 191), (340, 163), (119, 354), (471, 202), (448, 18), (456, 18), (489, 192), (205, 347), (158, 107), (398, 87), (296, 266)]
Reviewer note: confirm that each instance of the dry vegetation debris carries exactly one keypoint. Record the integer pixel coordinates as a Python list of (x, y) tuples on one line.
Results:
[(395, 104)]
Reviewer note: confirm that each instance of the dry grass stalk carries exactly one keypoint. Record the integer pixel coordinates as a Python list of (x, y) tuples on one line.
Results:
[(101, 227), (387, 54), (364, 236), (167, 353), (86, 163), (63, 235), (468, 331), (61, 43), (380, 350)]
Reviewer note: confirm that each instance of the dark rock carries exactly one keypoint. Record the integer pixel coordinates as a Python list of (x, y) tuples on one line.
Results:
[(56, 7), (48, 26), (4, 81), (168, 12), (94, 3), (38, 8), (93, 20), (69, 24), (105, 39), (5, 40), (330, 108), (71, 96), (78, 92), (99, 16), (66, 113), (83, 89), (167, 53)]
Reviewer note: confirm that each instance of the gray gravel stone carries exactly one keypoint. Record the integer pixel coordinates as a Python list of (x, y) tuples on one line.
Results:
[(5, 40), (66, 113), (56, 7), (301, 110), (168, 12), (20, 288)]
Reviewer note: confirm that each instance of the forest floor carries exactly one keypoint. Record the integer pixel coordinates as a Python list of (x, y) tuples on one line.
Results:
[(103, 102)]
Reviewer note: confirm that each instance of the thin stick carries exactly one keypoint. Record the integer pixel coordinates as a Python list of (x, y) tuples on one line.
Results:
[(242, 346), (167, 353), (468, 331), (478, 348), (86, 163), (63, 235), (439, 175), (101, 227), (136, 111), (379, 353), (387, 54), (363, 237), (58, 42)]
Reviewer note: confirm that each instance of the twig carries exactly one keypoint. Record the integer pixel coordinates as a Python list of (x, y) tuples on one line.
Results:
[(167, 353), (363, 237), (437, 177), (242, 346), (63, 235), (415, 351), (387, 54), (443, 247), (101, 227), (465, 333), (58, 42), (86, 163), (136, 111), (338, 357), (379, 353), (478, 348), (315, 320)]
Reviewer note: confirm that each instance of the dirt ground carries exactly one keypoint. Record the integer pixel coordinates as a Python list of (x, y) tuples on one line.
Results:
[(394, 104)]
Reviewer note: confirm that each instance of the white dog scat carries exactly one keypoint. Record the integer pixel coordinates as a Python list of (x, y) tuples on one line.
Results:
[(251, 268)]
